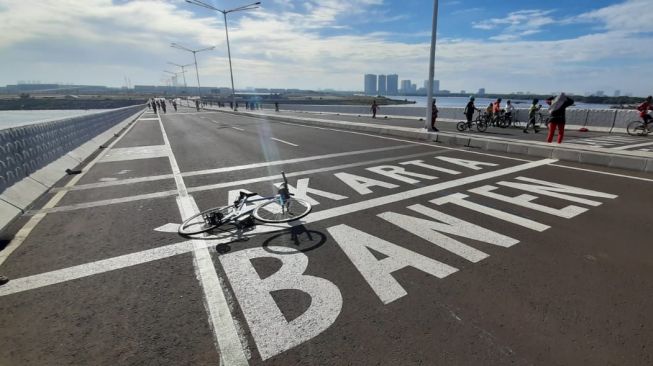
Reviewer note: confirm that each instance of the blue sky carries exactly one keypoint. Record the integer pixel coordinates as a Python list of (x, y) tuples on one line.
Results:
[(575, 46)]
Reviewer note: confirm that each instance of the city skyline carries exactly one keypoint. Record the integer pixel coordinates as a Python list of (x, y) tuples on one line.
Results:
[(326, 44)]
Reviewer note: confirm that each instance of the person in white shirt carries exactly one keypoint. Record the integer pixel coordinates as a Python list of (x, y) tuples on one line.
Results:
[(510, 109)]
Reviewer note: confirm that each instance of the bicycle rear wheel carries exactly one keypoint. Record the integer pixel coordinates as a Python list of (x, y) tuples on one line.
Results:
[(275, 212), (205, 220), (481, 126), (637, 128)]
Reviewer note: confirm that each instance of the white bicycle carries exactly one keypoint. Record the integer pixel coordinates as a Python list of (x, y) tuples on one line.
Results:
[(282, 207)]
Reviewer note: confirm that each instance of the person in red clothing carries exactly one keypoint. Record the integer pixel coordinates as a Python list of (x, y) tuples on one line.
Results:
[(496, 107), (558, 106), (644, 108)]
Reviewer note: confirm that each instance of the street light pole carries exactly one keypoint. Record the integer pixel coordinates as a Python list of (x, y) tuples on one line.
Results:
[(226, 29), (183, 71), (194, 52), (231, 71), (429, 99)]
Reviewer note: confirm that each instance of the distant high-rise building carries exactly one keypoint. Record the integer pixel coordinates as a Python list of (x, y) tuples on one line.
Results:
[(406, 86), (600, 93), (370, 84), (382, 89), (392, 84), (617, 93), (436, 86), (481, 91)]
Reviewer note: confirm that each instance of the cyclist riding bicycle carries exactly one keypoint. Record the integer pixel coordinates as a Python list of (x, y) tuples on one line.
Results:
[(644, 108)]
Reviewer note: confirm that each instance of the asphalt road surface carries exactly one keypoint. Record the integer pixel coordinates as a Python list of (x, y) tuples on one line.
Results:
[(414, 254)]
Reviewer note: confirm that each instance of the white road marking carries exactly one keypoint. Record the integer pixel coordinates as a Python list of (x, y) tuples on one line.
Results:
[(238, 128), (292, 161), (285, 142), (307, 172), (224, 329), (148, 196), (22, 284), (134, 153), (22, 234), (119, 182), (627, 147), (89, 269)]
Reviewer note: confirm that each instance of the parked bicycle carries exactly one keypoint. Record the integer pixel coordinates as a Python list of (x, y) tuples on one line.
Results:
[(480, 121), (282, 207)]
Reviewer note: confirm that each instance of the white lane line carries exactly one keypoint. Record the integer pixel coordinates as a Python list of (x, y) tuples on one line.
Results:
[(24, 231), (627, 147), (112, 201), (118, 182), (63, 275), (285, 142), (604, 173), (229, 346), (239, 129), (233, 168), (148, 196), (93, 268), (293, 161)]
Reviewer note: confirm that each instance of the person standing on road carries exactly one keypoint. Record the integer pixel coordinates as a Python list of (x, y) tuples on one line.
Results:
[(509, 110), (163, 105), (434, 116), (374, 108), (644, 108), (557, 109), (276, 106), (531, 116), (154, 105), (470, 108), (197, 104), (174, 104)]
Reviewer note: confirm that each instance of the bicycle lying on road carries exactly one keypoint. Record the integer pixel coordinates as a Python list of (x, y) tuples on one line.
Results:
[(480, 121), (638, 128), (280, 208)]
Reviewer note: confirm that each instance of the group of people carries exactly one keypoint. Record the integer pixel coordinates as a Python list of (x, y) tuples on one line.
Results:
[(555, 121), (160, 104)]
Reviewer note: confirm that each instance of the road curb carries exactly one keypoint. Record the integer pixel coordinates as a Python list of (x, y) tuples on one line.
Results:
[(571, 153), (16, 200)]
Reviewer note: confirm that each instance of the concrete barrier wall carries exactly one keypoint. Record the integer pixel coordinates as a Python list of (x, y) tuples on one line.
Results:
[(607, 119), (26, 149)]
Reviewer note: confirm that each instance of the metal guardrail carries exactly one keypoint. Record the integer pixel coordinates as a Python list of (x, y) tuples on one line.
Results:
[(26, 149)]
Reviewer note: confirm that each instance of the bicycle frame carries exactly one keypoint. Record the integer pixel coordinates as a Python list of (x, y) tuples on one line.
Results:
[(241, 206)]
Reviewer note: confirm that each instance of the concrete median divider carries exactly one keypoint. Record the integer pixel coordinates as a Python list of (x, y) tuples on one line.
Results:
[(34, 157), (629, 160)]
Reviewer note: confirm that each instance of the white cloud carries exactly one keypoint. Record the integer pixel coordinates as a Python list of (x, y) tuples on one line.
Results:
[(102, 41), (517, 24)]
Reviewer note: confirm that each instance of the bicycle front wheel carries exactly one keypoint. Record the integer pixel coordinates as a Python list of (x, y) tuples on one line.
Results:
[(205, 221), (274, 211), (461, 126), (481, 126), (637, 128)]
